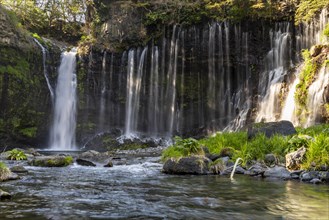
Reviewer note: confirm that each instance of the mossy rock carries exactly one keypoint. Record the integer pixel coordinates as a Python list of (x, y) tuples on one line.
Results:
[(52, 161)]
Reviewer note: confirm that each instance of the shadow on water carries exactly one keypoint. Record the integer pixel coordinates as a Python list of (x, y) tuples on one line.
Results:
[(141, 191)]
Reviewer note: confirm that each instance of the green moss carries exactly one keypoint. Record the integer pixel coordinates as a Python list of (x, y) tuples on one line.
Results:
[(68, 160)]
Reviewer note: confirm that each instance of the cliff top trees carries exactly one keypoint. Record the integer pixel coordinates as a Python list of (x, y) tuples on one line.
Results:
[(62, 19)]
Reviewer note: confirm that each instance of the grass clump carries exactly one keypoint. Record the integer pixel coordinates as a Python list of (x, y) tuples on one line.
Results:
[(182, 148), (315, 139), (16, 154), (317, 154)]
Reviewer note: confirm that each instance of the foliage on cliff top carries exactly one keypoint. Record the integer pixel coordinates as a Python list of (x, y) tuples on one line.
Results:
[(317, 146), (62, 20), (191, 12), (308, 9)]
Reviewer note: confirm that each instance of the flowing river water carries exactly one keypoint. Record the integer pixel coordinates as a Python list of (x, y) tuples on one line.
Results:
[(141, 191)]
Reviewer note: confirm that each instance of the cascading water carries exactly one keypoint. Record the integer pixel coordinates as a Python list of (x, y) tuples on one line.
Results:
[(278, 60), (288, 110), (62, 135), (134, 82), (45, 72), (162, 89), (308, 35), (316, 98), (103, 95)]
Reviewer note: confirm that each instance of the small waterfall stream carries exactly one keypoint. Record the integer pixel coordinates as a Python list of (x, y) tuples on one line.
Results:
[(62, 135), (316, 98), (45, 72)]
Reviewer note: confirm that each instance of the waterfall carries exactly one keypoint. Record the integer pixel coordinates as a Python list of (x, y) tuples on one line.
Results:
[(62, 135), (316, 98), (134, 83), (103, 91), (45, 72), (288, 110), (153, 108), (278, 60), (311, 34)]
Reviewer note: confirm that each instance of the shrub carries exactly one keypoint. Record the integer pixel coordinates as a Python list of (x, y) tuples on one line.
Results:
[(317, 154), (16, 155)]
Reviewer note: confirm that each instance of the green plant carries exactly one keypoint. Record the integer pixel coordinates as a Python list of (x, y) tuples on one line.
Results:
[(16, 155), (298, 141), (182, 148), (317, 154)]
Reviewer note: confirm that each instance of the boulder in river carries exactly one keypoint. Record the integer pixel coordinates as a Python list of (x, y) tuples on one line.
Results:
[(4, 195), (52, 161), (270, 129), (18, 169), (295, 159), (187, 165), (6, 174), (83, 162), (277, 172)]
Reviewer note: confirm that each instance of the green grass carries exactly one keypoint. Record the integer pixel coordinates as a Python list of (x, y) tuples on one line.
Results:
[(315, 139)]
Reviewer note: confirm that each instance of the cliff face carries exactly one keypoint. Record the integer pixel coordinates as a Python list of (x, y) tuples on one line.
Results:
[(162, 80), (24, 97)]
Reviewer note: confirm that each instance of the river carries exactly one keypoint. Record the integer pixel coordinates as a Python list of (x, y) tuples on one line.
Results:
[(141, 191)]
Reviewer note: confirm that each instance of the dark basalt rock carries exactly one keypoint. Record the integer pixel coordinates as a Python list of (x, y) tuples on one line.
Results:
[(4, 195), (18, 169), (109, 164), (187, 165), (284, 128), (83, 162), (277, 172)]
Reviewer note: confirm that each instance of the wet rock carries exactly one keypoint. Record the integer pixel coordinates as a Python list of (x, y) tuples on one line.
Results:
[(18, 169), (296, 174), (92, 155), (323, 176), (270, 159), (315, 181), (4, 195), (277, 172), (6, 174), (238, 170), (213, 157), (52, 161), (284, 128), (308, 176), (219, 165), (295, 159), (83, 162), (109, 164), (315, 50), (256, 170), (187, 165)]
